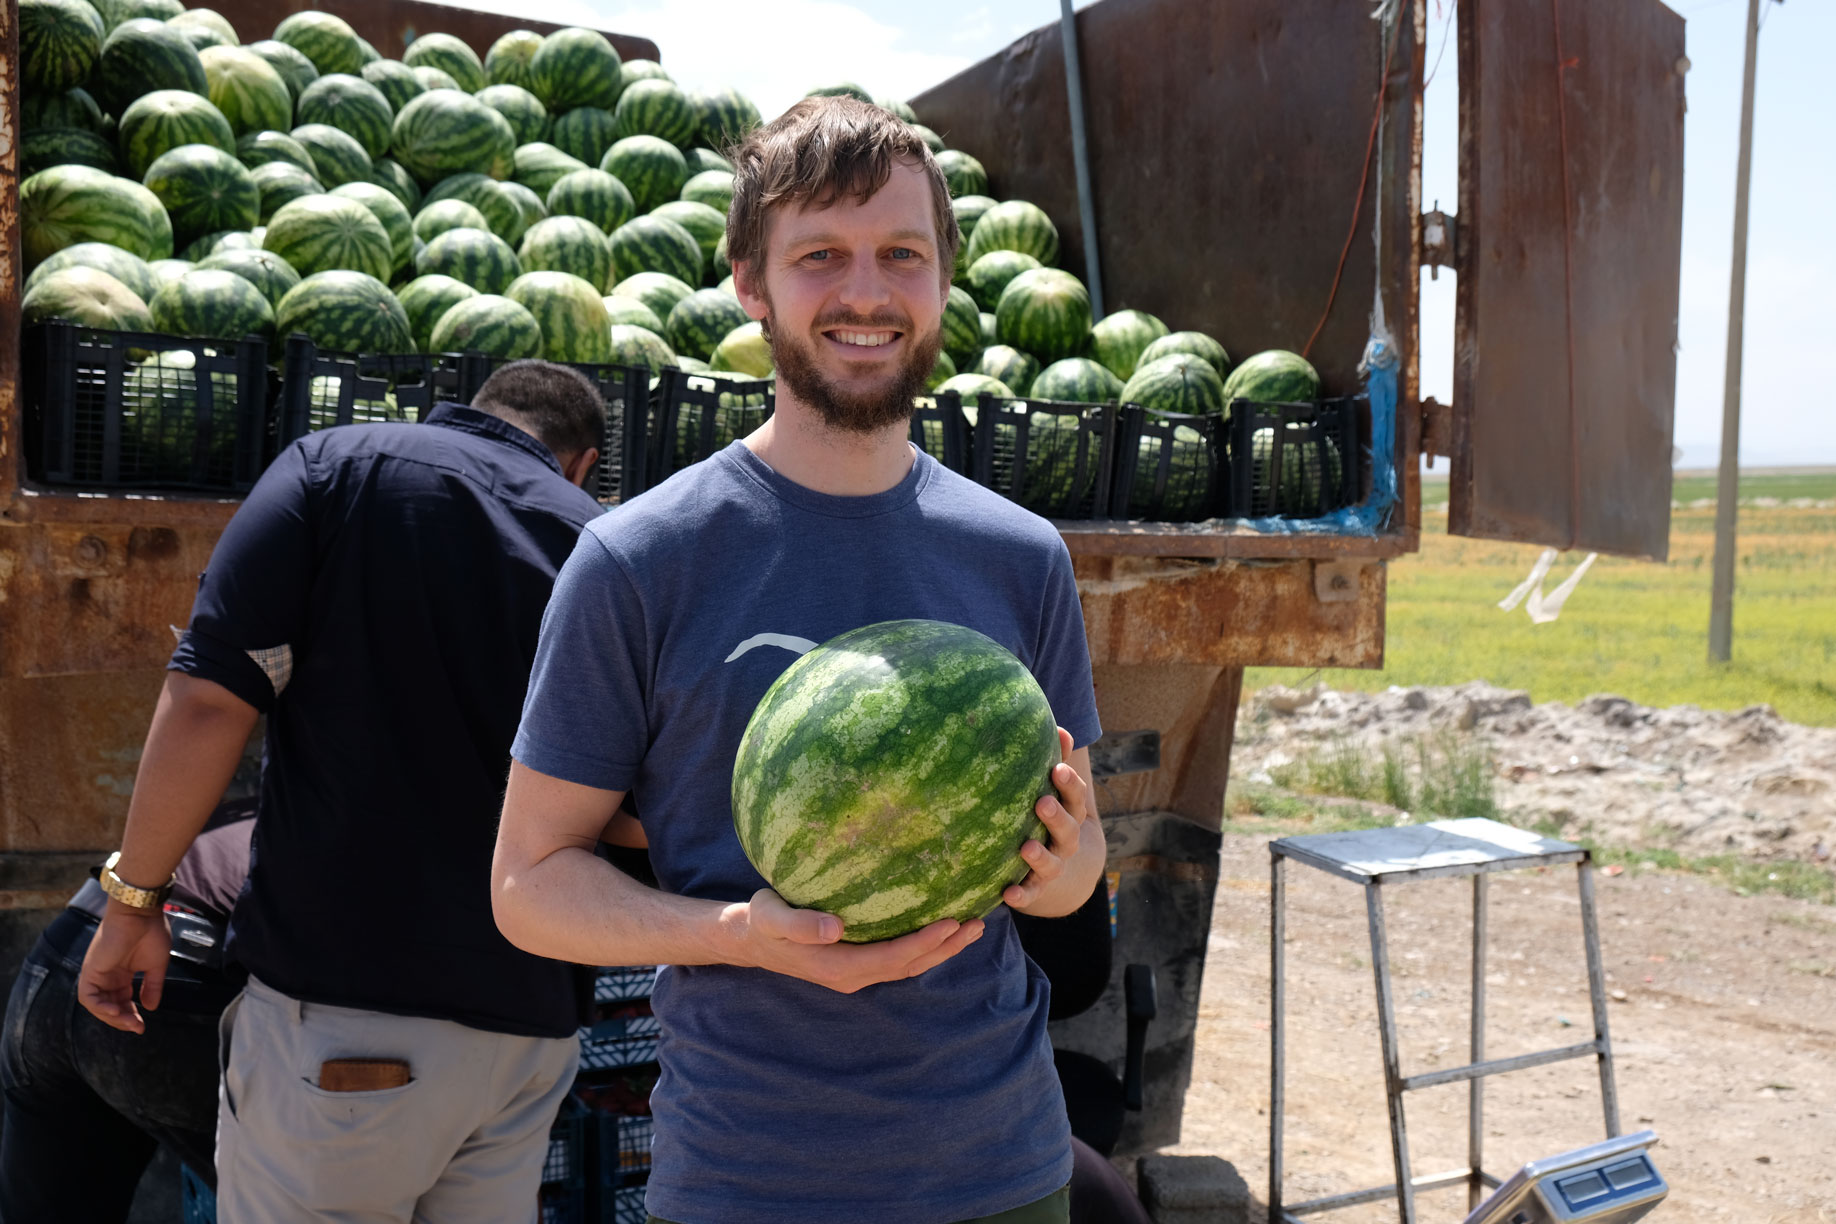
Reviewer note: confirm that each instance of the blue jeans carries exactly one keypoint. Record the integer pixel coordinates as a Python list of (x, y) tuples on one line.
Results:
[(85, 1104)]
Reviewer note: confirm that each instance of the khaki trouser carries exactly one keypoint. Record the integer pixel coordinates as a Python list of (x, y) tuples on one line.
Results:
[(461, 1143)]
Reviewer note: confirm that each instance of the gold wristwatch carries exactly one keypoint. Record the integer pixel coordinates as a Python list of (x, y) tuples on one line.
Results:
[(152, 899)]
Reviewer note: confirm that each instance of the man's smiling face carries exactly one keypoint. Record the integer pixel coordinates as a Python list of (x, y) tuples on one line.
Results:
[(853, 294)]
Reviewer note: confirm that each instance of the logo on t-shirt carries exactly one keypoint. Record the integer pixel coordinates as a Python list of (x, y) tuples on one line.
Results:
[(796, 645)]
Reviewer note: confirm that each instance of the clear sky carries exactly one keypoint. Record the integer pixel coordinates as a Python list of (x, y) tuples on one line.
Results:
[(776, 50)]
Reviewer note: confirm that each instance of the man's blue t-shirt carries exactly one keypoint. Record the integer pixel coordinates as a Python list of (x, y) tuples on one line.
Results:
[(915, 1102)]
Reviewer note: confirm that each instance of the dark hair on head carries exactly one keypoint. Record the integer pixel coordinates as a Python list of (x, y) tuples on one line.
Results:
[(556, 404), (818, 151)]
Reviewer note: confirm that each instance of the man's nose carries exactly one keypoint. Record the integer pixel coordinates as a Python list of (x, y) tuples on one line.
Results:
[(866, 287)]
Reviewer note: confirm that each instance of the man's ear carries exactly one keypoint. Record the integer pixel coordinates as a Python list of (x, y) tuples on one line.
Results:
[(579, 469), (747, 293)]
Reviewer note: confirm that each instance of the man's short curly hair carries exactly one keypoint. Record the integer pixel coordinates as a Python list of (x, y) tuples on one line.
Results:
[(817, 152)]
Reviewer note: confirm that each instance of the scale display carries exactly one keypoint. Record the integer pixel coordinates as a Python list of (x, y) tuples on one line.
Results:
[(1608, 1183)]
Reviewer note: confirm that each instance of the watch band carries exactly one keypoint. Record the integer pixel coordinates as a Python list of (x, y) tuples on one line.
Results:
[(128, 894)]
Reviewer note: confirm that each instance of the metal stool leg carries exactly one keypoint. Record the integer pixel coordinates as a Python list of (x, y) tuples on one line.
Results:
[(1475, 1099), (1277, 1014), (1596, 985), (1392, 1058)]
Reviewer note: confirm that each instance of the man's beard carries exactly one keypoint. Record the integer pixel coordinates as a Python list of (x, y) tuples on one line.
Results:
[(864, 411)]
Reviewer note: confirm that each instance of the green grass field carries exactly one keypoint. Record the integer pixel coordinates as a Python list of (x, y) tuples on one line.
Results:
[(1635, 628)]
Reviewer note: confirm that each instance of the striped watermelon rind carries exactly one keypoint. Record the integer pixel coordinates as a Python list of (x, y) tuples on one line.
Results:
[(1076, 380), (636, 346), (701, 159), (59, 43), (140, 56), (1181, 383), (707, 225), (442, 215), (509, 60), (293, 66), (212, 304), (1120, 339), (489, 197), (425, 299), (969, 385), (70, 108), (488, 324), (339, 157), (632, 313), (114, 12), (989, 275), (584, 133), (66, 147), (725, 116), (257, 149), (570, 313), (745, 350), (445, 132), (164, 120), (432, 78), (87, 296), (129, 269), (1014, 225), (477, 258), (1008, 365), (65, 205), (713, 188), (246, 90), (568, 244), (396, 82), (658, 291), (450, 55), (1275, 376), (328, 41), (657, 108), (522, 110), (1045, 312), (1196, 343), (962, 328), (326, 233), (279, 184), (390, 214), (346, 312), (353, 106), (651, 168), (539, 166), (932, 140), (655, 244), (576, 67), (699, 322), (594, 195), (942, 371), (963, 173), (932, 722), (268, 272)]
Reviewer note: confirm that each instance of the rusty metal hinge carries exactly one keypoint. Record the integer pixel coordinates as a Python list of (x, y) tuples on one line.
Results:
[(1437, 430), (1440, 231)]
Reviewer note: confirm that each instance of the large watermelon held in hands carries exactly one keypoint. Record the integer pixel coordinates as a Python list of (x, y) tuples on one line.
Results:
[(889, 777)]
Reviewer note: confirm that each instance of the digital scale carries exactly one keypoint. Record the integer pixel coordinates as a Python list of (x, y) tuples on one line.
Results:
[(1608, 1183)]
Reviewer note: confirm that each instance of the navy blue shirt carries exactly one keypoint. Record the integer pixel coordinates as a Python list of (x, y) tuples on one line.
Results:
[(379, 595)]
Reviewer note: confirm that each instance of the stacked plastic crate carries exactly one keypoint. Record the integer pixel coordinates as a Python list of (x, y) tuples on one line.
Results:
[(618, 1068)]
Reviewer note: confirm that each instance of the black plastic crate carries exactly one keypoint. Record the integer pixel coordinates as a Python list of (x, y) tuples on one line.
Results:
[(621, 1144), (696, 415), (624, 1205), (320, 389), (940, 430), (626, 391), (624, 982), (1052, 458), (135, 410), (565, 1166), (623, 1034), (1295, 460), (1170, 467)]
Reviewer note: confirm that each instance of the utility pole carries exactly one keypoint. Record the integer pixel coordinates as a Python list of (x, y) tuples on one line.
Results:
[(1727, 487)]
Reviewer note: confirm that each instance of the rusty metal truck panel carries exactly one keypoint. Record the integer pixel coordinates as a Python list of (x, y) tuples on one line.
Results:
[(390, 25), (1571, 166), (1227, 145)]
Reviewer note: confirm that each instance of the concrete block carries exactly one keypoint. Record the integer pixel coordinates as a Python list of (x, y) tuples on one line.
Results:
[(1192, 1190)]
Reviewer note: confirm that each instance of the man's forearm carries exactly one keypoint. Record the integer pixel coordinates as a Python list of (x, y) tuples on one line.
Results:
[(197, 737)]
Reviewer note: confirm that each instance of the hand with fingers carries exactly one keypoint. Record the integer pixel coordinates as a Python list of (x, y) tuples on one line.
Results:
[(806, 944), (1064, 815), (129, 942)]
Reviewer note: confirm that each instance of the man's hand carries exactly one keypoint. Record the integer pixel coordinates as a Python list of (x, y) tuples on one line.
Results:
[(129, 941), (805, 944), (1064, 816)]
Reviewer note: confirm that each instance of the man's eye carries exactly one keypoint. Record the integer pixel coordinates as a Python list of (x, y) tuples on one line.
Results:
[(818, 256), (904, 253)]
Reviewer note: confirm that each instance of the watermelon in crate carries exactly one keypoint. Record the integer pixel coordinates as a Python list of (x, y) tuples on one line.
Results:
[(1273, 377), (1170, 466), (1051, 458), (347, 312), (212, 304), (1299, 460), (1076, 380), (934, 721), (745, 350)]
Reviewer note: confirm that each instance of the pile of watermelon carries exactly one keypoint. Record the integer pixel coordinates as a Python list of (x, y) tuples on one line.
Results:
[(549, 199)]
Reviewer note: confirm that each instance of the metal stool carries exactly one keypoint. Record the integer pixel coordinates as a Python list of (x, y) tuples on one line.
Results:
[(1439, 849)]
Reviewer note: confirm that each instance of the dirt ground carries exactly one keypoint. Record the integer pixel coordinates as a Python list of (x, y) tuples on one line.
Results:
[(1725, 1037)]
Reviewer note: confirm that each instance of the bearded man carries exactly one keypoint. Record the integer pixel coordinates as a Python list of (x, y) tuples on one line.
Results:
[(804, 1079)]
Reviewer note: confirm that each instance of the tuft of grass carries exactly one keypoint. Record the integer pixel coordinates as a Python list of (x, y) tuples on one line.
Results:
[(1440, 776), (1745, 877)]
